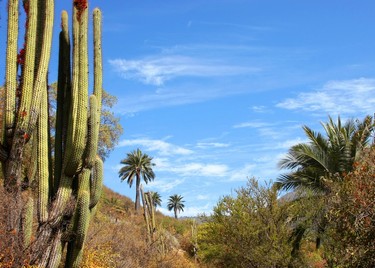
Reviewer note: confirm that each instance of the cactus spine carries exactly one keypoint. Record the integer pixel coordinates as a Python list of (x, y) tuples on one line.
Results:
[(66, 195)]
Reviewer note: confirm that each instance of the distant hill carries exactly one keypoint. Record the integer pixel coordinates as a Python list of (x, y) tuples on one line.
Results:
[(117, 237)]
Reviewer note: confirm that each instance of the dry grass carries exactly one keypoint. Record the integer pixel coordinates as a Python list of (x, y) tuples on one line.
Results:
[(117, 238)]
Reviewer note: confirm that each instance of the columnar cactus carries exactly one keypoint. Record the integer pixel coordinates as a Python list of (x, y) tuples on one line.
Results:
[(67, 189), (149, 214)]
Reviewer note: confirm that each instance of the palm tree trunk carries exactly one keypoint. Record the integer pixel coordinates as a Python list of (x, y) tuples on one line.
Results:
[(175, 213), (137, 189)]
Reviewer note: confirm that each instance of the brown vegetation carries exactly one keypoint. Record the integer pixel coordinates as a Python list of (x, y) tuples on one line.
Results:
[(118, 238)]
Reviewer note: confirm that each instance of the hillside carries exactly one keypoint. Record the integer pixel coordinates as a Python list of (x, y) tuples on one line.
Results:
[(117, 237)]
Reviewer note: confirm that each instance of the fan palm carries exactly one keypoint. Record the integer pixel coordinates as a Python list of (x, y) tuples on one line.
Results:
[(176, 204), (137, 165), (156, 199), (324, 160)]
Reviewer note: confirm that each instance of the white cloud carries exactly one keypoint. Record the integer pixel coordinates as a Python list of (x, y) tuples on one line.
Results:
[(157, 70), (336, 97), (205, 145), (161, 146), (260, 109), (164, 185), (289, 143), (252, 124), (199, 169)]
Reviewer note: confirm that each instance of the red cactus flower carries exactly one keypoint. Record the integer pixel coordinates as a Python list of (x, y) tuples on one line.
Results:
[(26, 136), (21, 57), (80, 5)]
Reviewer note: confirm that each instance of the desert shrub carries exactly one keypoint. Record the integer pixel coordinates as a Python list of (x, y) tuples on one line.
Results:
[(352, 217), (248, 230)]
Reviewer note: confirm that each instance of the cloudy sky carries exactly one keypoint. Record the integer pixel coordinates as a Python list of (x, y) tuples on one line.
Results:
[(216, 91)]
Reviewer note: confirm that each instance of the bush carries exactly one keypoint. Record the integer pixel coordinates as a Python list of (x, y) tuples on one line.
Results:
[(249, 230)]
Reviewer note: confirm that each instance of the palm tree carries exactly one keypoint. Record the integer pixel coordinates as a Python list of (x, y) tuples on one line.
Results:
[(319, 163), (324, 160), (156, 199), (138, 165), (176, 203)]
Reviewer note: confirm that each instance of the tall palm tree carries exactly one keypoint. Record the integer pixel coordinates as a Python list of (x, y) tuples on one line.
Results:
[(137, 165), (176, 203), (156, 199), (324, 160)]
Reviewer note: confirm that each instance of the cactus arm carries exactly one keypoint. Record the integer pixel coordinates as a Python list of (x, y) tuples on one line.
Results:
[(98, 59), (93, 133), (27, 221), (41, 76), (80, 91), (73, 103), (11, 64), (42, 159), (96, 185), (63, 97), (80, 226), (28, 76), (145, 213)]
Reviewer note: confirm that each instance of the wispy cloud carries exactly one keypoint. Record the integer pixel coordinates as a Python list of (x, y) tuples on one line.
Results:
[(160, 146), (191, 168), (208, 145), (260, 109), (252, 124), (157, 70), (164, 185), (336, 97), (201, 169)]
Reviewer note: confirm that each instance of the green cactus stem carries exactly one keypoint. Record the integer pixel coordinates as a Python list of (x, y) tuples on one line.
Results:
[(96, 182), (42, 160), (98, 61), (11, 67)]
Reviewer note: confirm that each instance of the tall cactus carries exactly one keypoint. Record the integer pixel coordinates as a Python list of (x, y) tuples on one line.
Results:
[(67, 193), (148, 214)]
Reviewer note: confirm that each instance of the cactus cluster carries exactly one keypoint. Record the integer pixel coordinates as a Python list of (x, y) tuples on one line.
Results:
[(148, 214), (61, 186)]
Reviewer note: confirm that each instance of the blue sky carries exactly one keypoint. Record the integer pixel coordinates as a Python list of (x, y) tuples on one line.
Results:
[(217, 91)]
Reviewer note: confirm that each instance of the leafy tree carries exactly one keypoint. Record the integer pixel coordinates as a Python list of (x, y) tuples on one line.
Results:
[(156, 199), (137, 165), (351, 217), (176, 204), (110, 129), (325, 159), (246, 230)]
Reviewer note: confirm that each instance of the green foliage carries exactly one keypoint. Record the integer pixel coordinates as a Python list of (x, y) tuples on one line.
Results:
[(248, 230), (325, 159)]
